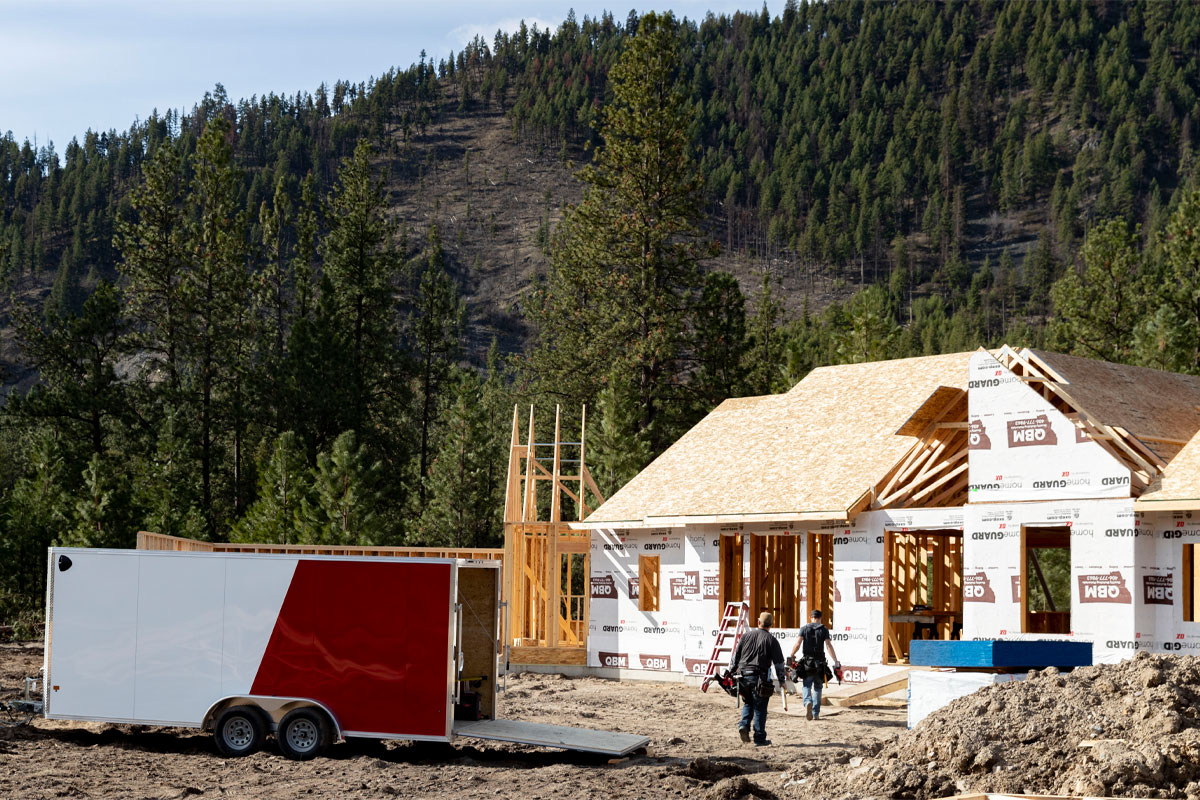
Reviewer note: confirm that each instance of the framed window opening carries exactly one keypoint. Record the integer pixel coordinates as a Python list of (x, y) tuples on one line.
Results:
[(648, 583), (1190, 583), (1045, 586)]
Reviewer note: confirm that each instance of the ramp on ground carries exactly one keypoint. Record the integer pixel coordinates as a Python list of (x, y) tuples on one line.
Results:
[(557, 736)]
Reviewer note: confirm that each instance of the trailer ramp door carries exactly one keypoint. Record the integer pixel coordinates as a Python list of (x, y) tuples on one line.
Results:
[(557, 736)]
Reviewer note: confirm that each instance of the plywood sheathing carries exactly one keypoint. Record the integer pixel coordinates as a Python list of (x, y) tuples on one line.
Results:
[(1158, 408), (934, 408), (1178, 488), (808, 454)]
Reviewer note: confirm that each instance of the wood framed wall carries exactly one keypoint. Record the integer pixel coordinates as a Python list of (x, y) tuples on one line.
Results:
[(920, 568), (729, 560), (786, 570), (147, 540), (546, 563), (820, 591)]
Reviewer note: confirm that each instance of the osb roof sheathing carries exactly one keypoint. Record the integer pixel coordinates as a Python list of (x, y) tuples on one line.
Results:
[(1148, 403), (1179, 484), (809, 453)]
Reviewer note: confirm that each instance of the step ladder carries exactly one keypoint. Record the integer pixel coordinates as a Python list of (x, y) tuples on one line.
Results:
[(734, 622)]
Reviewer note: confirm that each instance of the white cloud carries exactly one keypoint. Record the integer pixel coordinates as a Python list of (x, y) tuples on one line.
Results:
[(464, 33)]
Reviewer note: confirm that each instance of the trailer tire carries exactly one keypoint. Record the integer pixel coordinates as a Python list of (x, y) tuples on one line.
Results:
[(240, 731), (304, 733)]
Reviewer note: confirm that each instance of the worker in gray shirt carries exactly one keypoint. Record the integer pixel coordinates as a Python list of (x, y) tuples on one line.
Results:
[(756, 651)]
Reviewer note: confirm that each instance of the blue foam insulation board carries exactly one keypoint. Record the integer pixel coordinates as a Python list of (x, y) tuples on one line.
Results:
[(1000, 654)]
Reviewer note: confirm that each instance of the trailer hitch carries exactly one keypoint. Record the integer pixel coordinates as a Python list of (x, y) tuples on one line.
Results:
[(23, 709)]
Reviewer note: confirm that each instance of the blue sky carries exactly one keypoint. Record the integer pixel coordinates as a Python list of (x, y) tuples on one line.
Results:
[(70, 65)]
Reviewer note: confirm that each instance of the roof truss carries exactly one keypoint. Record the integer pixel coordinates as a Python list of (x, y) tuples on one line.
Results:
[(934, 471)]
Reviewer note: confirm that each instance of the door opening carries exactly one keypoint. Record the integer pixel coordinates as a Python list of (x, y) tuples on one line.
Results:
[(1045, 579), (922, 589)]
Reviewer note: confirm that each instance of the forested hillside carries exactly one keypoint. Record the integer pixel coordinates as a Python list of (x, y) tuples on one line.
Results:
[(306, 317)]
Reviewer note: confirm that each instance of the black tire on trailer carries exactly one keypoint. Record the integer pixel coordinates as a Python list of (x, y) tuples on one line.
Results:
[(240, 731), (304, 733)]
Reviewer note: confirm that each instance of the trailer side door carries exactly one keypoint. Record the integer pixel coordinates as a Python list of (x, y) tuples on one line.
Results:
[(91, 635)]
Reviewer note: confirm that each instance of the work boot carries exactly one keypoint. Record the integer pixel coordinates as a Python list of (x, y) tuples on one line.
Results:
[(808, 712), (745, 734), (763, 743)]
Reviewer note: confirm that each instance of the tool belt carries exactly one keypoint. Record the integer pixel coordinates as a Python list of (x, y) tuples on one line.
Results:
[(755, 685)]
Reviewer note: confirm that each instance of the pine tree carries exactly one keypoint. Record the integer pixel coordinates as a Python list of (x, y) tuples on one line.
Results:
[(872, 331), (1096, 310), (720, 344), (435, 329), (360, 265), (154, 259), (455, 513), (75, 356), (284, 483), (216, 292), (617, 448), (345, 506), (626, 259), (98, 519), (765, 344)]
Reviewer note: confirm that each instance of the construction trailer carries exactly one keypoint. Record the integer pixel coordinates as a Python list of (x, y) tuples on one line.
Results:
[(311, 649), (1005, 494)]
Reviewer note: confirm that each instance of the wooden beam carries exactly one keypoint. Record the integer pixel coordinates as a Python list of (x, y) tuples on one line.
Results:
[(866, 692), (958, 486), (960, 469)]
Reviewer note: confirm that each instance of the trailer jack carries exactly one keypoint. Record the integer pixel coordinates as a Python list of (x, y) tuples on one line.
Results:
[(22, 709)]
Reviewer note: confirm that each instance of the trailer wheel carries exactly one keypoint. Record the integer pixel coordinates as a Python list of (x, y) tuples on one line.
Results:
[(303, 734), (239, 731)]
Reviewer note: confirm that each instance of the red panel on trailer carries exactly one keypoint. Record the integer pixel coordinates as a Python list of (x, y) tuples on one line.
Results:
[(369, 640)]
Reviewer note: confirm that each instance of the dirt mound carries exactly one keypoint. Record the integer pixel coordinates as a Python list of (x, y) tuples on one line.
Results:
[(735, 789), (1130, 729), (704, 769)]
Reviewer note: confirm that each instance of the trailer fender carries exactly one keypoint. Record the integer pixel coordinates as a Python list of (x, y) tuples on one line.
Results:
[(273, 708)]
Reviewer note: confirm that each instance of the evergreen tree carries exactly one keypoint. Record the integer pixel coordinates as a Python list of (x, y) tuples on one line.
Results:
[(720, 343), (765, 343), (284, 482), (1096, 309), (626, 258), (434, 328), (871, 329), (216, 291), (456, 513), (154, 251), (75, 356), (345, 506), (617, 449), (360, 266)]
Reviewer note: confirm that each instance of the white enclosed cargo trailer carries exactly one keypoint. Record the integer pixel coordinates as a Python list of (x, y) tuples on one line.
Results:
[(311, 649)]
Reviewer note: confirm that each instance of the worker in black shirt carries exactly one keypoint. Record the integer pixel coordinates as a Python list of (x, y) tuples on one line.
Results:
[(812, 662), (756, 651)]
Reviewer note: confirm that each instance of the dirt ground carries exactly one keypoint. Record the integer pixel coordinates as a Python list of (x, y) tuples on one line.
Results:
[(695, 751)]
